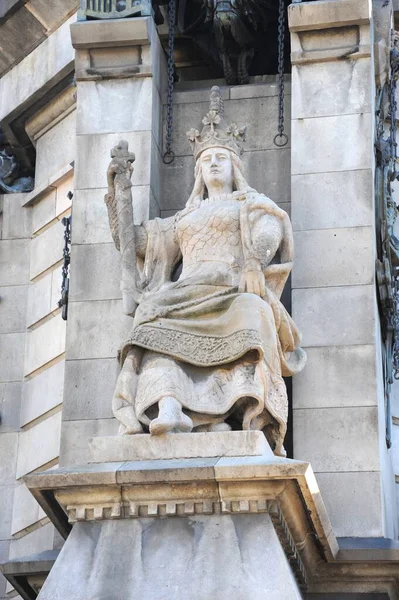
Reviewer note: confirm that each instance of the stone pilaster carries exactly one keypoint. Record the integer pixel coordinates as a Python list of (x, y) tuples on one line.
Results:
[(338, 399), (120, 75)]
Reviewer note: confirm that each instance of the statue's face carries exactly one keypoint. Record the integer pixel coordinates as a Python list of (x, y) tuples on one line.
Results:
[(217, 168)]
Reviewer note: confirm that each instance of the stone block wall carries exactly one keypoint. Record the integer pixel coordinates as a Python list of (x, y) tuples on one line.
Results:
[(32, 332)]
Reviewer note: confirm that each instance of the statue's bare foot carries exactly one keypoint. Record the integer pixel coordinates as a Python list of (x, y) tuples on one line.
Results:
[(218, 427), (131, 430), (171, 418), (213, 427)]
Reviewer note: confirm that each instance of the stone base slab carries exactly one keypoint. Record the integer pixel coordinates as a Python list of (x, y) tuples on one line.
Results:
[(178, 445)]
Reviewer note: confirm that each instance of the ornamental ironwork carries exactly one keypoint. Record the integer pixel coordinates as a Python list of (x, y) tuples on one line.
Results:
[(63, 302), (387, 264), (114, 9)]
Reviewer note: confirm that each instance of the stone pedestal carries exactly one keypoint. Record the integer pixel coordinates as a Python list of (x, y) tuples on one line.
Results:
[(200, 557), (220, 527)]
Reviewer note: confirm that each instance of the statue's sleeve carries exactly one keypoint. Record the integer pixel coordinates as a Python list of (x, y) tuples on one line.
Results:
[(254, 224), (162, 253)]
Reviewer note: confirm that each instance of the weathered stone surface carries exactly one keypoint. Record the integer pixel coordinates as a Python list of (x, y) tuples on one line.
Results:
[(6, 500), (25, 511), (259, 135), (331, 88), (16, 220), (44, 343), (122, 32), (89, 385), (329, 382), (102, 106), (11, 30), (95, 272), (14, 262), (43, 211), (91, 225), (339, 143), (13, 302), (352, 503), (39, 299), (45, 439), (56, 148), (184, 445), (63, 203), (36, 541), (8, 457), (10, 406), (47, 61), (58, 13), (333, 438), (42, 393), (93, 157), (333, 257), (329, 14), (265, 169), (46, 249), (318, 201), (4, 550), (74, 449), (12, 347), (258, 90), (104, 325), (192, 541), (322, 324), (395, 447)]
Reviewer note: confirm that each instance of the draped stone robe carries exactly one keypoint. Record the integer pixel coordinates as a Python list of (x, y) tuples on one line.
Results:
[(219, 352)]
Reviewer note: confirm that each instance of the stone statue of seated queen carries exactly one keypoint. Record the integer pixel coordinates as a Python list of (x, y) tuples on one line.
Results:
[(209, 346)]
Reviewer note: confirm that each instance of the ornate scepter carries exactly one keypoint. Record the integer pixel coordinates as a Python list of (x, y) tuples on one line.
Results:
[(120, 215)]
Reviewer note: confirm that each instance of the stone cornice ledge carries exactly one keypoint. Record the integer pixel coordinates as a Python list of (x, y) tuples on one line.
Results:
[(327, 14), (329, 30), (286, 489)]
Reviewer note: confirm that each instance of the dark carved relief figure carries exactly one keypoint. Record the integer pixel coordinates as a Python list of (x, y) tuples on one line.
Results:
[(10, 181), (209, 350)]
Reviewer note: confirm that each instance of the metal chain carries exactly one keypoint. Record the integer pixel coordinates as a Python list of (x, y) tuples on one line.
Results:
[(169, 155), (63, 302), (281, 139)]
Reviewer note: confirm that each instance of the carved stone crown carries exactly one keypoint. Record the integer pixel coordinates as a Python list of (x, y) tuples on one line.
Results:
[(216, 132)]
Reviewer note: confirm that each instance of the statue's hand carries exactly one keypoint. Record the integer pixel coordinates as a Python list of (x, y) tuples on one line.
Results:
[(253, 282)]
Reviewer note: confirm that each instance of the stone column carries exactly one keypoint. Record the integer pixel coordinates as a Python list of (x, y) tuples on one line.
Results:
[(120, 75), (338, 399)]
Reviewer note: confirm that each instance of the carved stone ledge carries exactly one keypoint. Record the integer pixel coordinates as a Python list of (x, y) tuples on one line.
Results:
[(143, 491), (136, 510), (329, 30)]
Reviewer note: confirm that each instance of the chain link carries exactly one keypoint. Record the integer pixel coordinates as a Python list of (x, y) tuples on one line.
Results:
[(169, 155), (281, 139)]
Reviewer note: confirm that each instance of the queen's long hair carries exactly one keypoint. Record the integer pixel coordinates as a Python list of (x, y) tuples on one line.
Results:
[(200, 192)]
